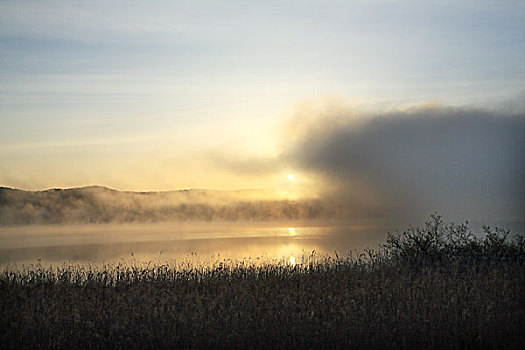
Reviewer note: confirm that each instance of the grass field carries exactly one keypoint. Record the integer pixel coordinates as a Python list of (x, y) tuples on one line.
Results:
[(435, 286)]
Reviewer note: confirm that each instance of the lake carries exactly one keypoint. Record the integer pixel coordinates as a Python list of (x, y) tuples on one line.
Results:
[(207, 242)]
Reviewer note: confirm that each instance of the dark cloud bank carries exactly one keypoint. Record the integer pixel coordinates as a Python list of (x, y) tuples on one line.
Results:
[(462, 163)]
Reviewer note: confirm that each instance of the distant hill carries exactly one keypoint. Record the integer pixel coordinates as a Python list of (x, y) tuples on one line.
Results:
[(97, 204)]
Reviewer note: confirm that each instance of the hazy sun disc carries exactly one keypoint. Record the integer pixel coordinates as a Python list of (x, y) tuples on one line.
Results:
[(290, 177)]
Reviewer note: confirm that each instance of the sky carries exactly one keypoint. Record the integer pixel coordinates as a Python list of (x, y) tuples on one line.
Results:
[(227, 95)]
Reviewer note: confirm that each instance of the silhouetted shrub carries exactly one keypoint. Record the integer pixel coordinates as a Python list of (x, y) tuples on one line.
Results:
[(437, 242)]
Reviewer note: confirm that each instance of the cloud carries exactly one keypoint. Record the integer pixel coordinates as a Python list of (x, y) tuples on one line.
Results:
[(465, 163)]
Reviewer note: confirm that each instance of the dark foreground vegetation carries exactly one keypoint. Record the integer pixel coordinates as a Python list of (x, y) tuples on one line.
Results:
[(436, 286)]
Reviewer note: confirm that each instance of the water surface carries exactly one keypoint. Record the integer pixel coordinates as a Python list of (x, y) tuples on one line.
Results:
[(97, 244)]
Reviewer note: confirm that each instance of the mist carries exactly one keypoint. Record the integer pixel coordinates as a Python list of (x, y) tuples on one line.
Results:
[(368, 174), (95, 204), (465, 163), (397, 166)]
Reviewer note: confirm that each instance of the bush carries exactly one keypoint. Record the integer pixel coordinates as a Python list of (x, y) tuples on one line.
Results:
[(437, 242)]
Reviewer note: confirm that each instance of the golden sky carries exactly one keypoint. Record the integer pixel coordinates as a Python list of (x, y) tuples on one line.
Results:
[(186, 95)]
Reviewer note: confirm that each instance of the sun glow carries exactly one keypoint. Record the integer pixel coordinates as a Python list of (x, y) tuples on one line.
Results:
[(290, 177)]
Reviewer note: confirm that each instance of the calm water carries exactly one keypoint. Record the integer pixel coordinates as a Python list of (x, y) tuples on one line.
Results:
[(96, 244)]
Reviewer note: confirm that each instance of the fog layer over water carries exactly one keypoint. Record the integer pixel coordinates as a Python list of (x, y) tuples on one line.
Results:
[(369, 173)]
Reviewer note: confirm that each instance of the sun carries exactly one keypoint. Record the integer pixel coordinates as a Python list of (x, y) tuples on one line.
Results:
[(290, 177)]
